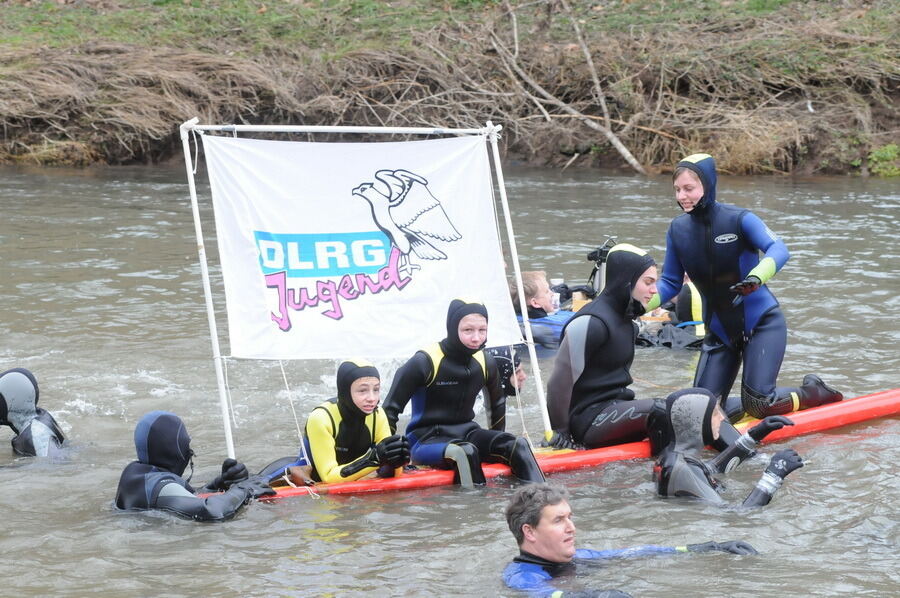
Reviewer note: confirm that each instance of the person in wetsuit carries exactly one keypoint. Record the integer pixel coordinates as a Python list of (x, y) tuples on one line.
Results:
[(588, 398), (691, 420), (346, 438), (443, 381), (37, 433), (154, 481), (540, 519), (718, 246), (545, 318)]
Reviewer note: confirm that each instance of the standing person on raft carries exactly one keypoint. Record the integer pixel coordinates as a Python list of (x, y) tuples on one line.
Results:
[(718, 246), (443, 381)]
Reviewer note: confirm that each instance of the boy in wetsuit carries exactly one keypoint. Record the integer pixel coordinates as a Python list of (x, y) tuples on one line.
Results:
[(443, 381), (540, 519)]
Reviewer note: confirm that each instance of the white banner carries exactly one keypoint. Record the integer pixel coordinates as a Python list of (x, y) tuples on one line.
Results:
[(339, 250)]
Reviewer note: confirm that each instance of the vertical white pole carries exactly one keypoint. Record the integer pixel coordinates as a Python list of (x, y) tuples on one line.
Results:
[(514, 255), (207, 289)]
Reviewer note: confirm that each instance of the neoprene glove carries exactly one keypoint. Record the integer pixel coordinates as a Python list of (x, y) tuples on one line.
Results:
[(393, 451), (784, 462), (232, 472), (256, 486), (767, 426), (732, 546), (560, 440), (746, 286)]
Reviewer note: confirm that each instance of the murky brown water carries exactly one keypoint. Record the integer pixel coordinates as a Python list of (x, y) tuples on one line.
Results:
[(101, 298)]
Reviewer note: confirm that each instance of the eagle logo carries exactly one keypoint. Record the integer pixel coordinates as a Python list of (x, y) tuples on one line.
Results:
[(411, 217)]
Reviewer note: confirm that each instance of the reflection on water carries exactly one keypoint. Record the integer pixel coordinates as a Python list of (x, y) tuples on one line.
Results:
[(101, 298)]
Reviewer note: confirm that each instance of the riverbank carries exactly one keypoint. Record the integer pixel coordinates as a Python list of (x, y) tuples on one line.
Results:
[(768, 86)]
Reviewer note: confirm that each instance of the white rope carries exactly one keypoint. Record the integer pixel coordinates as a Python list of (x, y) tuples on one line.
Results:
[(294, 413)]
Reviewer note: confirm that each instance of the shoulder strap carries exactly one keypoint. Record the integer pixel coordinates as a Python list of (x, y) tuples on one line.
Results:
[(326, 407), (479, 357), (436, 355)]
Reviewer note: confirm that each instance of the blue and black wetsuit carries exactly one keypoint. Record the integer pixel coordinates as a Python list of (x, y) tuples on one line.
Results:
[(37, 433), (718, 246), (532, 574), (154, 481), (443, 382), (587, 394)]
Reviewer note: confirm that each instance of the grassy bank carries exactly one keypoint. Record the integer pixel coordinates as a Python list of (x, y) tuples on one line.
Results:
[(765, 85)]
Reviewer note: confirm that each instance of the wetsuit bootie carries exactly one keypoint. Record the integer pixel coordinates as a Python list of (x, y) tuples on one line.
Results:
[(523, 464), (814, 392)]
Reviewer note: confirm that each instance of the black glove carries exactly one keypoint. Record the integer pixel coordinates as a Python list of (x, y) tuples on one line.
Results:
[(256, 486), (732, 546), (560, 440), (784, 462), (767, 426), (232, 472), (746, 286), (393, 451)]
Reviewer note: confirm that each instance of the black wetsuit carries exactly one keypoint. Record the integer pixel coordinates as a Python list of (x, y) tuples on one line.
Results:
[(443, 382), (686, 428), (154, 481), (588, 394)]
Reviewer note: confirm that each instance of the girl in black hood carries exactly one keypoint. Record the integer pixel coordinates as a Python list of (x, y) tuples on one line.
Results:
[(588, 396)]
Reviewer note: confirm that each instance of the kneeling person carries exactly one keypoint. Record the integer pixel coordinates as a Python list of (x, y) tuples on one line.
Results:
[(154, 481), (347, 437), (443, 382)]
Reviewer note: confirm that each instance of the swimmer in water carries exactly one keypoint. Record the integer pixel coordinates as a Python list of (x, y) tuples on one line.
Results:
[(37, 433), (154, 481), (691, 420), (540, 518)]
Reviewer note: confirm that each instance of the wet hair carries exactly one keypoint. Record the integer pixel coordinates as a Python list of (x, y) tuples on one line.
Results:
[(531, 285), (526, 504)]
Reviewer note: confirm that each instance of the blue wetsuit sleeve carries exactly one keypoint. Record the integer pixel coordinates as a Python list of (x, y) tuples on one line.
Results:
[(672, 277), (624, 553), (531, 578), (412, 375), (762, 238)]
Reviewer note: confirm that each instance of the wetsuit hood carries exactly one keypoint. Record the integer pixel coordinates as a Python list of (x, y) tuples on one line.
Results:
[(18, 398), (458, 310), (704, 166), (689, 414), (624, 266), (161, 440), (349, 372)]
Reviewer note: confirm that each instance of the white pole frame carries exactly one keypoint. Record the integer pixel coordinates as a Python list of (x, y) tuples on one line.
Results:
[(490, 130)]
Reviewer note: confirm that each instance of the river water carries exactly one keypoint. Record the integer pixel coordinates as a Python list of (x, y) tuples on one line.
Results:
[(101, 297)]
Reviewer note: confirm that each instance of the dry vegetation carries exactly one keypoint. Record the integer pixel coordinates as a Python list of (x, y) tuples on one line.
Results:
[(792, 92)]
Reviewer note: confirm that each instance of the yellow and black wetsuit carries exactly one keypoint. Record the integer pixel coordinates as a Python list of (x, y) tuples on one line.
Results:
[(337, 444)]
